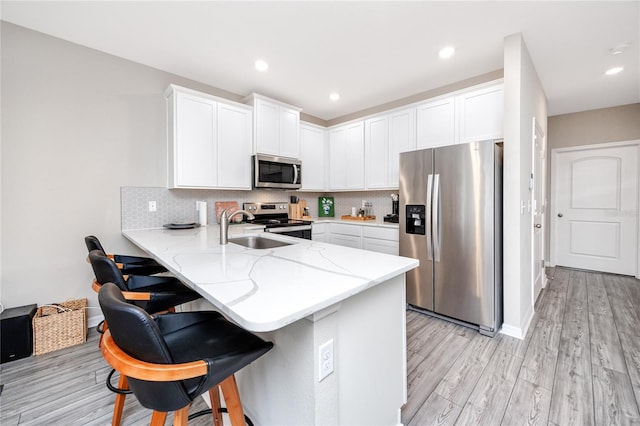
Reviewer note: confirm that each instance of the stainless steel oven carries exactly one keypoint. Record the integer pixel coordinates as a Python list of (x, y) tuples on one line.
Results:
[(275, 218)]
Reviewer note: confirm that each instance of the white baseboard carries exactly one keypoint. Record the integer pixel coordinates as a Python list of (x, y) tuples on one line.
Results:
[(519, 332), (94, 320)]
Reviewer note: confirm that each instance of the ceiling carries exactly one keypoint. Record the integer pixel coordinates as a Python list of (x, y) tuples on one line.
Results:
[(369, 52)]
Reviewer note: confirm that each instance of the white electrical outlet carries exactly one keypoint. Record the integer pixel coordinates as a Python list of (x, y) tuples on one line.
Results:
[(326, 360), (152, 206)]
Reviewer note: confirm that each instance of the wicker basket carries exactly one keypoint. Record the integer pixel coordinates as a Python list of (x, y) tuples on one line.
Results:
[(59, 326)]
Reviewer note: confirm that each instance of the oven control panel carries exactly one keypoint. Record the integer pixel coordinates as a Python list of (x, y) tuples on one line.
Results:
[(266, 208)]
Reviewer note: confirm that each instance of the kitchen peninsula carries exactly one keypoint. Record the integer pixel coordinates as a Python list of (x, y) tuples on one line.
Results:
[(303, 297)]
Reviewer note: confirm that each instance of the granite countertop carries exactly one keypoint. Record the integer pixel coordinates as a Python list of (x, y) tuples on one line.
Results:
[(263, 290)]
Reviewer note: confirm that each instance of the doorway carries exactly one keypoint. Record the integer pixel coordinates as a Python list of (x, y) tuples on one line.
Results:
[(538, 206), (594, 215)]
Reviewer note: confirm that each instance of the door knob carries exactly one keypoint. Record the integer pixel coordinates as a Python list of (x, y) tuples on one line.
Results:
[(537, 225), (559, 214)]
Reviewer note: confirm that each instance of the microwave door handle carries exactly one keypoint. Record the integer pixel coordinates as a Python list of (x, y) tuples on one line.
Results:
[(295, 174)]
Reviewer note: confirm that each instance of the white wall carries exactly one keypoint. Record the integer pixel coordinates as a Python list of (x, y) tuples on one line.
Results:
[(77, 124), (524, 99)]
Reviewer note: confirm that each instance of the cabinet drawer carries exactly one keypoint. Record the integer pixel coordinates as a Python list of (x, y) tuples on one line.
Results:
[(346, 240), (381, 246), (323, 238), (390, 234), (345, 229)]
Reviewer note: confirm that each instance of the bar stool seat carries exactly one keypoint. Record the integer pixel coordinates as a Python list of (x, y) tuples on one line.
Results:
[(171, 359)]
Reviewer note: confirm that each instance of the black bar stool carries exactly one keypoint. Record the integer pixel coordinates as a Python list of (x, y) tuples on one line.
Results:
[(166, 370), (128, 264)]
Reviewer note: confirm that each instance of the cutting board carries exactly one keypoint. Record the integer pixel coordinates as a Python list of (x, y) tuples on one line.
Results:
[(349, 217), (222, 205)]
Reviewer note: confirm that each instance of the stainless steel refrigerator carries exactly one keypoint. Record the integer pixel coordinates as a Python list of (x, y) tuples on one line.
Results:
[(451, 220)]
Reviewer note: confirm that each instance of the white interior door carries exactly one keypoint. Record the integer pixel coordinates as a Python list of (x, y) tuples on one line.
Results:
[(537, 210), (595, 208)]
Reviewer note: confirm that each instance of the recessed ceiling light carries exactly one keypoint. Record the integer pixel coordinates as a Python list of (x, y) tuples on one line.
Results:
[(334, 96), (446, 52), (614, 70), (261, 65)]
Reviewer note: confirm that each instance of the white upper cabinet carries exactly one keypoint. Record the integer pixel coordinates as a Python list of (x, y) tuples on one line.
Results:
[(436, 123), (234, 146), (402, 138), (377, 152), (276, 127), (313, 156), (480, 114), (346, 157), (209, 141), (467, 116)]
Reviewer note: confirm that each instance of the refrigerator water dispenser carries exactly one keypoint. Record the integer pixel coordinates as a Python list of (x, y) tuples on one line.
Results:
[(415, 219)]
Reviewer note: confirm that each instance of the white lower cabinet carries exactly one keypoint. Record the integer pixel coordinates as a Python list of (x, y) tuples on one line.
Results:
[(382, 240), (346, 235), (319, 232), (372, 238)]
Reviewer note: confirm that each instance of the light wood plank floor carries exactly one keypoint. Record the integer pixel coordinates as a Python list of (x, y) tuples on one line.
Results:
[(578, 365)]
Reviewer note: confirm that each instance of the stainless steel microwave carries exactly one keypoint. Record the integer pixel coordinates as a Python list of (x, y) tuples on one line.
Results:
[(276, 172)]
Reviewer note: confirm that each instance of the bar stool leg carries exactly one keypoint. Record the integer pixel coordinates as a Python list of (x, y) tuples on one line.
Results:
[(181, 416), (232, 400), (158, 418), (119, 405), (214, 396)]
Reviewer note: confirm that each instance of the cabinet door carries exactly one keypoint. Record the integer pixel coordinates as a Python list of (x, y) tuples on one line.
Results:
[(337, 158), (436, 123), (267, 128), (195, 145), (480, 114), (289, 132), (312, 155), (376, 142), (355, 156), (234, 147), (402, 138)]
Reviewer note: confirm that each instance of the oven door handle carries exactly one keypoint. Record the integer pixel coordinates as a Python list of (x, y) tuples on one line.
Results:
[(282, 229)]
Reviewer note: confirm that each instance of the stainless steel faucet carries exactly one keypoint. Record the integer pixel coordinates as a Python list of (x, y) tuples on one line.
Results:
[(225, 217)]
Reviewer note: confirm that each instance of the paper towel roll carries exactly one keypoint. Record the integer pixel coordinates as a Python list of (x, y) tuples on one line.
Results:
[(201, 206)]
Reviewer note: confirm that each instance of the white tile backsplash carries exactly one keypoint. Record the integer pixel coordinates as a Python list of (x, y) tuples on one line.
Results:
[(179, 205)]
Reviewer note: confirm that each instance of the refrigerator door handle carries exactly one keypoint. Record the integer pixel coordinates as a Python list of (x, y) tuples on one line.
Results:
[(436, 217), (428, 216)]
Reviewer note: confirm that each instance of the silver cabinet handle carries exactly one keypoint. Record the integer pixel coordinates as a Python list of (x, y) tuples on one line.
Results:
[(537, 225), (428, 216), (436, 218), (559, 214)]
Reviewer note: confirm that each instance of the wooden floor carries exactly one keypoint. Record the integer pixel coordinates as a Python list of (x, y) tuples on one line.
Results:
[(578, 365)]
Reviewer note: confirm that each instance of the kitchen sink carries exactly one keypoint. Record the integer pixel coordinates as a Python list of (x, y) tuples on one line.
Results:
[(256, 242)]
